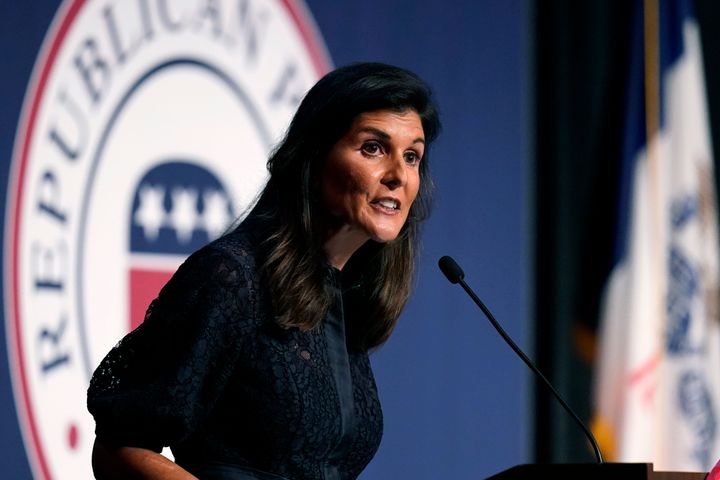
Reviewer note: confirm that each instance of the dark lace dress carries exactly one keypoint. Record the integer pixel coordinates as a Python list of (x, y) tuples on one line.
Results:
[(234, 396)]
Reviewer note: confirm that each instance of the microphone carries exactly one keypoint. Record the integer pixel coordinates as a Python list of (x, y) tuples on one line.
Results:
[(455, 274)]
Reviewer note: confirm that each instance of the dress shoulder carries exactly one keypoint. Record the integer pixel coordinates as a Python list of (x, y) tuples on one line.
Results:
[(158, 383)]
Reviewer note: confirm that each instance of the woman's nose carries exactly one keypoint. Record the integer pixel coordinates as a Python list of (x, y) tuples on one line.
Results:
[(394, 175)]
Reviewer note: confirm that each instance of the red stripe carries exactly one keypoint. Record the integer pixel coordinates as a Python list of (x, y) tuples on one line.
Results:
[(309, 33), (144, 287), (645, 369)]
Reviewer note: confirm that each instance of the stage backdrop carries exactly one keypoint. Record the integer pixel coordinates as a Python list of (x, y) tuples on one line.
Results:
[(133, 131)]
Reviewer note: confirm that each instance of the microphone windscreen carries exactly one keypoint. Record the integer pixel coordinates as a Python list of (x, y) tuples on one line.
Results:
[(451, 269)]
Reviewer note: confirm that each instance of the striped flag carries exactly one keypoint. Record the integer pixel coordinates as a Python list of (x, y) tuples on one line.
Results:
[(657, 383)]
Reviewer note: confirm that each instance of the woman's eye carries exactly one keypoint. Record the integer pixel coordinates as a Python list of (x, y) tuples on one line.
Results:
[(372, 148), (412, 158)]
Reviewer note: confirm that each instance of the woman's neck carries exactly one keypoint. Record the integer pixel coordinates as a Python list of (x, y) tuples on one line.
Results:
[(341, 243)]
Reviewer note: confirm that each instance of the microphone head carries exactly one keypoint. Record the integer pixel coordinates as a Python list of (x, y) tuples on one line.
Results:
[(451, 269)]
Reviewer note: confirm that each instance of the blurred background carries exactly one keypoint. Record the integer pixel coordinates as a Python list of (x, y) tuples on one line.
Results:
[(533, 98)]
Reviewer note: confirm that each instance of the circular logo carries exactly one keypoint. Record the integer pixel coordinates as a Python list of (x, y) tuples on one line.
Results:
[(144, 135)]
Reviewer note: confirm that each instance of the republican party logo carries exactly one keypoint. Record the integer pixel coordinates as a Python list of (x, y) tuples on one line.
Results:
[(144, 135)]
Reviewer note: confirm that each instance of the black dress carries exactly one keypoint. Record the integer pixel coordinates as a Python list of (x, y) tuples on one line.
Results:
[(209, 374)]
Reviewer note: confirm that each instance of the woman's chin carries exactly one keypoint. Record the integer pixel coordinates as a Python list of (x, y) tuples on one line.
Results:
[(384, 236)]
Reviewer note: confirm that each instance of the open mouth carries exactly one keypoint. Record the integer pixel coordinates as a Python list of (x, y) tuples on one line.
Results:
[(388, 204)]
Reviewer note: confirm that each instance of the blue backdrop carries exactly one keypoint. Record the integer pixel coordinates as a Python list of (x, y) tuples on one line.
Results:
[(456, 399)]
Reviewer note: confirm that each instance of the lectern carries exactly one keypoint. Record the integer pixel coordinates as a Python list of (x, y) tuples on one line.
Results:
[(593, 471)]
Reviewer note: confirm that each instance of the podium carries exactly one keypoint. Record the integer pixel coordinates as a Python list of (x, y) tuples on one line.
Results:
[(593, 471)]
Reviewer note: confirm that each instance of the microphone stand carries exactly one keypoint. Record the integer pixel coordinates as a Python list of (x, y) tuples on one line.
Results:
[(455, 274)]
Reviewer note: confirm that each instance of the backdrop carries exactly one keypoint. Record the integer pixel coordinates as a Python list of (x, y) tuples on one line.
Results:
[(455, 398)]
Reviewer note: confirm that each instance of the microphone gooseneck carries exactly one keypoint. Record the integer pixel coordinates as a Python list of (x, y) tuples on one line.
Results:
[(455, 274)]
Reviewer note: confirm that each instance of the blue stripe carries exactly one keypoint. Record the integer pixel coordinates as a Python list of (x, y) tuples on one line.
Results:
[(672, 15)]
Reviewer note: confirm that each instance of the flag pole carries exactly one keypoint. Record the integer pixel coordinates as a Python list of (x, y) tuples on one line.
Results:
[(651, 53)]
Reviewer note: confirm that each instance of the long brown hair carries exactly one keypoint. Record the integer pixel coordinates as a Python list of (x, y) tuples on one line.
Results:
[(378, 276)]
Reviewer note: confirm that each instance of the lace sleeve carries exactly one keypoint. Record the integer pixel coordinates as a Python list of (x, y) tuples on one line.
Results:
[(157, 384)]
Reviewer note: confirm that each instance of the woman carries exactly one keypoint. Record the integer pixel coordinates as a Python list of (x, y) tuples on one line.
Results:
[(252, 363)]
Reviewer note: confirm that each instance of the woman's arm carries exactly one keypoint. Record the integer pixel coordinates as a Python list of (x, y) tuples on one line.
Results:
[(119, 463)]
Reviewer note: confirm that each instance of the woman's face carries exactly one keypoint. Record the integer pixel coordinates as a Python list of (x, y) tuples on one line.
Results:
[(371, 176)]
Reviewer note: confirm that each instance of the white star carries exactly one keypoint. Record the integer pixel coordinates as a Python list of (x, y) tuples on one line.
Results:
[(215, 217), (150, 214), (184, 213)]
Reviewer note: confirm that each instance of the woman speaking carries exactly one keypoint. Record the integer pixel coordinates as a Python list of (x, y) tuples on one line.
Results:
[(252, 362)]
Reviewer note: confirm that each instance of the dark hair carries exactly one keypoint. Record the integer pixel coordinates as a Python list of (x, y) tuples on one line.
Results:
[(294, 267)]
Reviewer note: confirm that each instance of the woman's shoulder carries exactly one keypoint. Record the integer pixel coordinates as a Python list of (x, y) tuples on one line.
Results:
[(224, 269), (223, 275), (235, 252)]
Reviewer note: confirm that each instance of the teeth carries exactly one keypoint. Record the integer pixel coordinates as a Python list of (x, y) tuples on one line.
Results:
[(392, 204)]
